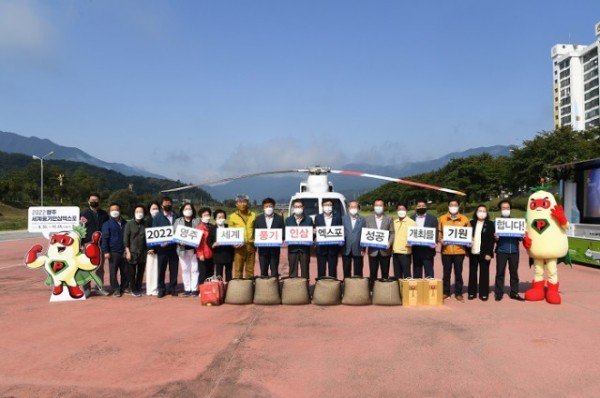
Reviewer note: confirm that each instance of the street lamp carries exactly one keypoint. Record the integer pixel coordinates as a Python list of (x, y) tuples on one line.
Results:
[(41, 159)]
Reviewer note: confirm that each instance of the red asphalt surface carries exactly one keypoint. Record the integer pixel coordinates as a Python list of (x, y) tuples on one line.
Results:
[(109, 346)]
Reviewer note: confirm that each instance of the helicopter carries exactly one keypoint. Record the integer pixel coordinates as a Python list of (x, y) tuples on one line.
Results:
[(317, 187)]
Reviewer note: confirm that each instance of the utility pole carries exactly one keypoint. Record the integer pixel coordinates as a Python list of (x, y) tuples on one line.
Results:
[(41, 159)]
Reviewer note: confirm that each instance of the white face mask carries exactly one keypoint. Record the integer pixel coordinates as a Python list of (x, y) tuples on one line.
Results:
[(220, 221), (453, 209), (139, 216), (505, 213), (401, 213), (298, 211), (378, 209), (115, 214), (206, 220), (269, 211), (327, 209), (188, 213), (481, 215), (154, 212), (353, 211)]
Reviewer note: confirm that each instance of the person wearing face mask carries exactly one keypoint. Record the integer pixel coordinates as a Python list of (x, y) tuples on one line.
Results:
[(298, 254), (507, 250), (423, 256), (453, 256), (402, 251), (204, 252), (93, 218), (222, 255), (244, 254), (113, 248), (187, 254), (167, 252), (134, 239), (481, 254), (380, 258), (352, 253), (152, 257), (268, 257), (327, 255)]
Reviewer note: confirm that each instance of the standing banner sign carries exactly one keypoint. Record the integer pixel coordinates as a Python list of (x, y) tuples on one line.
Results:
[(48, 220)]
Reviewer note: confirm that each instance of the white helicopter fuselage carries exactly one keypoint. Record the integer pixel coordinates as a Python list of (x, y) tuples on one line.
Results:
[(313, 191)]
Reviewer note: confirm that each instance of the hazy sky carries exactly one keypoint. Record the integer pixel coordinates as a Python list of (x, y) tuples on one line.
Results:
[(196, 89)]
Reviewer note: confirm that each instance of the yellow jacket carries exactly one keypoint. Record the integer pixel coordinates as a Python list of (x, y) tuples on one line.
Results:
[(460, 221), (401, 235), (236, 220)]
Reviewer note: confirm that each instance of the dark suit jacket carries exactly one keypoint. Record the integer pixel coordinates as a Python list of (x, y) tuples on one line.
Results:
[(320, 222), (387, 223), (160, 220), (430, 222), (94, 222), (291, 222), (352, 236), (487, 237), (278, 223)]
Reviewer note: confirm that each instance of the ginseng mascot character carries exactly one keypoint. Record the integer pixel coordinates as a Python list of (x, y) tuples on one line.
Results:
[(67, 263), (547, 244)]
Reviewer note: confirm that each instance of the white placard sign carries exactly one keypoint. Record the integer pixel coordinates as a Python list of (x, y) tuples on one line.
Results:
[(156, 236), (268, 237), (299, 236), (188, 236), (375, 238), (48, 220), (230, 236), (460, 236), (510, 227), (421, 236), (333, 235)]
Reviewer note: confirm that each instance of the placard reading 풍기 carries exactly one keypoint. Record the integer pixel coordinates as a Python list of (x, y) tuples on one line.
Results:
[(299, 236), (460, 236), (375, 238), (268, 237), (421, 236), (333, 235), (510, 227)]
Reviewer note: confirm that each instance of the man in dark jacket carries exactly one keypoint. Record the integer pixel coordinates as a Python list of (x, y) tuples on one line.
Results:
[(507, 250), (113, 248), (299, 253), (166, 253), (423, 255), (327, 255), (268, 257), (352, 252), (134, 239), (93, 218)]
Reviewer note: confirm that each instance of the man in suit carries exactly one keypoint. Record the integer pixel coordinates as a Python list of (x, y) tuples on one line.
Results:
[(268, 257), (423, 255), (352, 253), (299, 253), (93, 218), (167, 252), (327, 255), (380, 258)]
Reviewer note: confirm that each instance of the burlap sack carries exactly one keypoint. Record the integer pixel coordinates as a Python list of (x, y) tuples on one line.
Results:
[(386, 292), (266, 291), (328, 291), (356, 291), (294, 291), (239, 291)]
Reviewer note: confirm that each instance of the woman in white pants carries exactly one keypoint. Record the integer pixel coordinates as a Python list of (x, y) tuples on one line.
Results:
[(151, 257), (187, 254)]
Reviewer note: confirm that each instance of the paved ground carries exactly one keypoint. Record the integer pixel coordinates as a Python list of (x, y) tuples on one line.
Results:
[(109, 346)]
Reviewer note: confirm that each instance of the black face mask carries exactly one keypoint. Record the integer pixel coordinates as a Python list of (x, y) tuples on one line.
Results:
[(94, 205), (421, 211), (167, 207)]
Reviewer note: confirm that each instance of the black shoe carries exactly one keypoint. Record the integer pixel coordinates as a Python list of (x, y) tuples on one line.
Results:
[(483, 298), (472, 296), (498, 298), (117, 293), (187, 294), (160, 294), (516, 297), (174, 293)]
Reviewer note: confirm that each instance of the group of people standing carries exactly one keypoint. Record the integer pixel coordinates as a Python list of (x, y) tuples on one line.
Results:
[(123, 244)]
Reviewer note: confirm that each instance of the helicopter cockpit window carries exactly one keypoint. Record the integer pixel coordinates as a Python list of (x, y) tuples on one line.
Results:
[(337, 207), (311, 207)]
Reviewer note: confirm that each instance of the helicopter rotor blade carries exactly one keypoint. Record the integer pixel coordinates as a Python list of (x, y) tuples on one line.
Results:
[(398, 180), (228, 179)]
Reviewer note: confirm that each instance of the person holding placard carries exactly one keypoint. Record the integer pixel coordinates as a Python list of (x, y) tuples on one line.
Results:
[(113, 248), (204, 252), (481, 254), (422, 255), (380, 258), (222, 255), (507, 251), (134, 239), (298, 254), (245, 253), (187, 254), (268, 257), (453, 255), (151, 256), (352, 252), (166, 252), (402, 251), (327, 255), (93, 218)]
